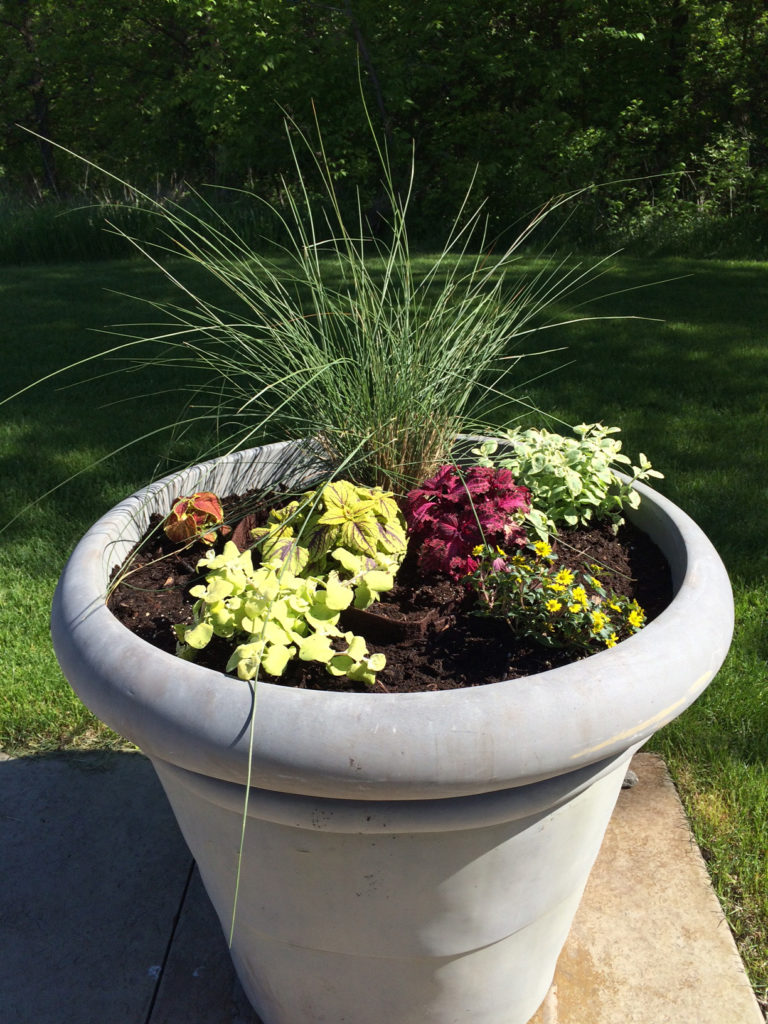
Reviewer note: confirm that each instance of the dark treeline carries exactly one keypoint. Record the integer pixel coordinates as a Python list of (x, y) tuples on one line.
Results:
[(536, 97)]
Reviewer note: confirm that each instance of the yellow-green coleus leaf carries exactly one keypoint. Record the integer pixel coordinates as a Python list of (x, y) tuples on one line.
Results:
[(384, 504), (352, 517), (278, 544)]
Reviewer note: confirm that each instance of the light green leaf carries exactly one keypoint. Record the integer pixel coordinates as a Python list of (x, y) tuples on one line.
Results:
[(198, 636), (337, 595), (276, 658), (316, 647)]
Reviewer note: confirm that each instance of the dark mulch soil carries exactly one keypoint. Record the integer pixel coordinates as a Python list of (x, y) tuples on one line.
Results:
[(425, 627)]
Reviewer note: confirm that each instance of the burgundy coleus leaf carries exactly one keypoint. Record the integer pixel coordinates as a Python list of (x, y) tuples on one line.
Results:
[(193, 517), (478, 480), (426, 502), (454, 511), (492, 519), (515, 534)]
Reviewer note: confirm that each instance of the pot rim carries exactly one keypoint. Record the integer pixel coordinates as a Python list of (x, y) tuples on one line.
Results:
[(386, 746)]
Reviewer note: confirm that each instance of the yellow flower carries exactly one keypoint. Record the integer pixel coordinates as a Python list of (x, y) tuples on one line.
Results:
[(599, 621), (612, 640), (596, 569), (519, 560), (556, 588), (477, 550), (500, 551), (636, 618), (542, 549), (580, 595), (553, 605), (573, 608), (564, 576)]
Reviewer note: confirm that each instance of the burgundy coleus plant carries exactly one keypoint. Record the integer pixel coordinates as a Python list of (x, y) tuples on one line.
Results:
[(456, 510), (192, 518)]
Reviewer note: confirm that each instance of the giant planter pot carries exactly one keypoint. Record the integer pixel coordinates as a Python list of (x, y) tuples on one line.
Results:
[(408, 858)]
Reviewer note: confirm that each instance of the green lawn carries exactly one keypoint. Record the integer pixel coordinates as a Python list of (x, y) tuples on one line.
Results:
[(690, 391)]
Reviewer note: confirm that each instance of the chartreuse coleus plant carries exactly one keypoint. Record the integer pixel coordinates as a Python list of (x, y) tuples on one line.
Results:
[(359, 531), (335, 547), (573, 480)]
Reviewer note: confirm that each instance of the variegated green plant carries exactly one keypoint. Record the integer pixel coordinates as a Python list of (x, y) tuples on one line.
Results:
[(573, 480)]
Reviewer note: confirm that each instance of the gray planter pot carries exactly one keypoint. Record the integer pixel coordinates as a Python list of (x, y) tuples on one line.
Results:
[(410, 858)]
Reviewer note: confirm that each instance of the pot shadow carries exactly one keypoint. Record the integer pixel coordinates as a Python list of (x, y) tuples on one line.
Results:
[(102, 913)]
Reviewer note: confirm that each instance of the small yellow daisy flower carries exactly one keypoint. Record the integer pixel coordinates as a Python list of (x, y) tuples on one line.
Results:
[(612, 640), (565, 576), (599, 621), (636, 618), (553, 605), (542, 549), (556, 588), (477, 550)]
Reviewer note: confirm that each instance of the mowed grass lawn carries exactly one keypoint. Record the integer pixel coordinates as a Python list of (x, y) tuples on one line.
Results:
[(689, 389)]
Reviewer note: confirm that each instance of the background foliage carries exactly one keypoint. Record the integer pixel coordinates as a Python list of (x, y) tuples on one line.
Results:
[(541, 98)]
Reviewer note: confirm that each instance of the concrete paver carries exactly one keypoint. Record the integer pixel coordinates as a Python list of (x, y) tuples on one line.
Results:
[(650, 944), (92, 870), (102, 918)]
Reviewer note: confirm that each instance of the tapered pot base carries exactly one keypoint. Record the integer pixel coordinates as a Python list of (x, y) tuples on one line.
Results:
[(366, 911)]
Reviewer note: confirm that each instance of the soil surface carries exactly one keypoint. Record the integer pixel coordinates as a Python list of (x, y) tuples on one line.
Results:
[(424, 626)]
